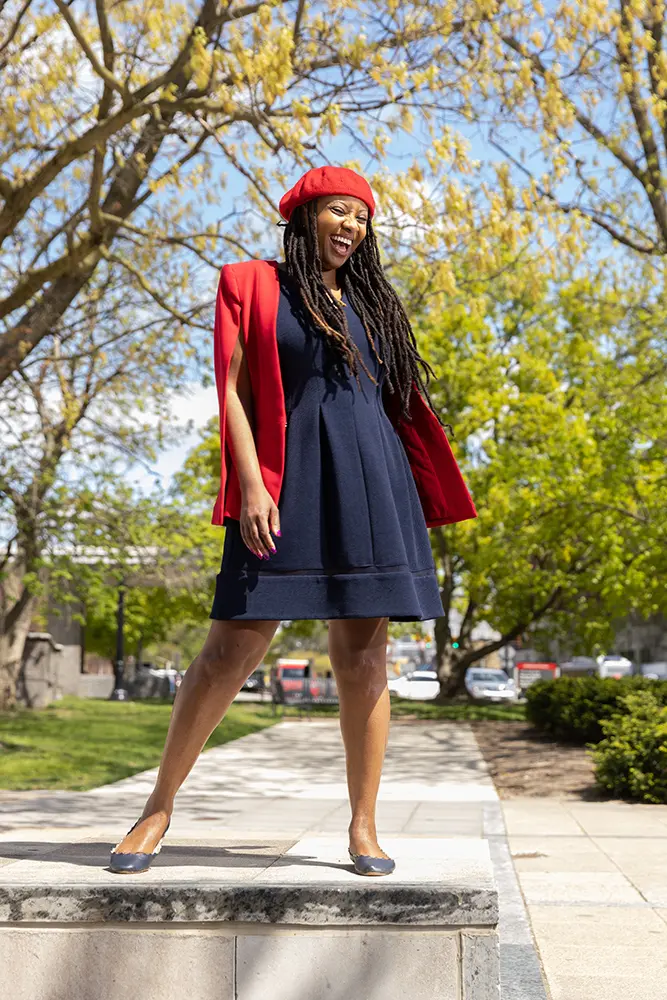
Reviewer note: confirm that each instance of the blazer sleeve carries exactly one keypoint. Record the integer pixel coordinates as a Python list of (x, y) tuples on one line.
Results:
[(225, 334)]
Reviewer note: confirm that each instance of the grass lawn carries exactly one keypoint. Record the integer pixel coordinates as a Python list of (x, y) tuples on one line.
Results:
[(403, 708), (458, 711), (79, 743)]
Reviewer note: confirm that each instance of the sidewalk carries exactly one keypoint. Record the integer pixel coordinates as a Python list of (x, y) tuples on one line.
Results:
[(289, 780), (594, 877)]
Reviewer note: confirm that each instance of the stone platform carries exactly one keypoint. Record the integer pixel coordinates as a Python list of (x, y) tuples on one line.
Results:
[(250, 919)]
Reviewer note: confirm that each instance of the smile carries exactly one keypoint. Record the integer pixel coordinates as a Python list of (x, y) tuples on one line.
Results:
[(341, 245)]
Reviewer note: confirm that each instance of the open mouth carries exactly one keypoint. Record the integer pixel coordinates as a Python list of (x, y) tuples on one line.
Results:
[(342, 245)]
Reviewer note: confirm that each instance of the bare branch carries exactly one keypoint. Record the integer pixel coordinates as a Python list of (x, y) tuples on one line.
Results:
[(15, 26), (101, 71), (154, 294), (612, 145)]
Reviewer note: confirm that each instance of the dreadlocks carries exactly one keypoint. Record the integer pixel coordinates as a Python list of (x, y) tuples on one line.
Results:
[(372, 298)]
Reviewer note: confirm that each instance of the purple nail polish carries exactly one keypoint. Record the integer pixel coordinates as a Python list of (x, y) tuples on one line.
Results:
[(278, 533)]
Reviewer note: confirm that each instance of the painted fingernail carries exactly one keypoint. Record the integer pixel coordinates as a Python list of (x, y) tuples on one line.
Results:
[(274, 551), (278, 534)]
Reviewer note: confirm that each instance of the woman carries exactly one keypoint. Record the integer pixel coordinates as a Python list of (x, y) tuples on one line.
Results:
[(333, 466)]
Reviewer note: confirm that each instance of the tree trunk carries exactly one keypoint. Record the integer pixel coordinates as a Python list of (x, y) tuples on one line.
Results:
[(450, 665), (17, 606), (139, 655)]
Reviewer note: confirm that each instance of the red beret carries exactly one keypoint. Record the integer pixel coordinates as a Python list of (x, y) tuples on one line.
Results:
[(327, 180)]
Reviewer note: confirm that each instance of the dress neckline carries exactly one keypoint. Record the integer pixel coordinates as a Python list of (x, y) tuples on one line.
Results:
[(282, 271)]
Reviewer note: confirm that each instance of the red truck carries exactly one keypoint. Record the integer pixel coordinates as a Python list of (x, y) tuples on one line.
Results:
[(293, 680), (526, 674)]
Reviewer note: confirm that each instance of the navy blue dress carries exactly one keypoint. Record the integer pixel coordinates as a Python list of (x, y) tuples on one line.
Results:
[(354, 541)]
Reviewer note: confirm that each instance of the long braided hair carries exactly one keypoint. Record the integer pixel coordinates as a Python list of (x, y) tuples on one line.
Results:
[(372, 298)]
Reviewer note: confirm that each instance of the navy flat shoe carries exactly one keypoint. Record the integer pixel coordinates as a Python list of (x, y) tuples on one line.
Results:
[(133, 864), (364, 864)]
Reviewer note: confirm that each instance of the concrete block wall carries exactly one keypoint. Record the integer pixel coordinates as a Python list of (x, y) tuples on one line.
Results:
[(246, 962)]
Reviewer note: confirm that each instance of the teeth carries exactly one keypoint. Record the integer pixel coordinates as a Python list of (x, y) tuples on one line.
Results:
[(343, 240)]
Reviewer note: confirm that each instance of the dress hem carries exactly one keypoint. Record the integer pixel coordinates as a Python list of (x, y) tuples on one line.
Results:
[(400, 596)]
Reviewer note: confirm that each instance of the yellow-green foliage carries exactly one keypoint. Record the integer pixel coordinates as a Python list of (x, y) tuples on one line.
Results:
[(631, 761)]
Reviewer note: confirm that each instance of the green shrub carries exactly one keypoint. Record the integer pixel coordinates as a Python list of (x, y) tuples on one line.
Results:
[(631, 760), (572, 708)]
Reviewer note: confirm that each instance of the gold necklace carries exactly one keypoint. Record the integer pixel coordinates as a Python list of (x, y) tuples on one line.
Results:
[(339, 297)]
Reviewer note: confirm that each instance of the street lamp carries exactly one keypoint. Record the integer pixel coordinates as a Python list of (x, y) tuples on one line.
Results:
[(119, 692)]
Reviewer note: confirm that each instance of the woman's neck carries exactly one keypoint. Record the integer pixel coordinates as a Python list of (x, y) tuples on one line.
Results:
[(330, 280), (328, 277)]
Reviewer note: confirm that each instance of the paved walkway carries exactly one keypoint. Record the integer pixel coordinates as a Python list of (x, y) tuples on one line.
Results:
[(594, 878), (591, 876), (289, 780)]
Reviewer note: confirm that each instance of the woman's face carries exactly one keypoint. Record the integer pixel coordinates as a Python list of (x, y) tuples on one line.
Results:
[(341, 226)]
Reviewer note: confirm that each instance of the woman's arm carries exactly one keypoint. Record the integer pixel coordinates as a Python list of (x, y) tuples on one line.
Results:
[(240, 421), (259, 514)]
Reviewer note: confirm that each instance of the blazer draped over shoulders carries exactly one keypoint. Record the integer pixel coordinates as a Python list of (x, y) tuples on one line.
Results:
[(247, 306)]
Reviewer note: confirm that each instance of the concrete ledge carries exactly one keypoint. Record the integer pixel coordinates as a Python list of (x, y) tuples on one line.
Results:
[(252, 922), (257, 903)]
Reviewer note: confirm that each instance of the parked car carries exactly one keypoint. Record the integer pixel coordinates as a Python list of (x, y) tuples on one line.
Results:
[(655, 671), (256, 681), (419, 685), (579, 666), (155, 682), (614, 665), (484, 683)]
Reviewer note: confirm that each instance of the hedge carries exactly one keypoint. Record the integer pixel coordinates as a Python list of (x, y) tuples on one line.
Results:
[(631, 760), (573, 709)]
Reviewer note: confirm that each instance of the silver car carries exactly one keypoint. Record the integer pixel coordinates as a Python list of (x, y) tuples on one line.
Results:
[(487, 684), (655, 671)]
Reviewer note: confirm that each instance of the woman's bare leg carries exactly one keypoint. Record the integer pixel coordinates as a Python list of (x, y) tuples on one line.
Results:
[(358, 654), (232, 650)]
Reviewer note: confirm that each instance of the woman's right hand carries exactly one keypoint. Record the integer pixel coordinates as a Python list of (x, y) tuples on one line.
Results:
[(259, 518)]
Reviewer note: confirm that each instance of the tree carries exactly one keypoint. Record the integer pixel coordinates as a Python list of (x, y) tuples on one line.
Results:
[(151, 613), (294, 637), (120, 125), (75, 417), (557, 397), (158, 547), (578, 99)]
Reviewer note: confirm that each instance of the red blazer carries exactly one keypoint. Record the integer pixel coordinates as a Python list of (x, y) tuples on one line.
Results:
[(247, 302)]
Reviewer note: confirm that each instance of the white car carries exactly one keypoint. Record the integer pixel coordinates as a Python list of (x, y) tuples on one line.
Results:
[(614, 666), (494, 685), (419, 685)]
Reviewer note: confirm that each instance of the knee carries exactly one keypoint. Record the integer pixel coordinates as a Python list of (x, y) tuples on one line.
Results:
[(364, 669), (216, 664)]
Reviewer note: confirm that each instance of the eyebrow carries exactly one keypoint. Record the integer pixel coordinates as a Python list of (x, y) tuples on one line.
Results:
[(340, 201)]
